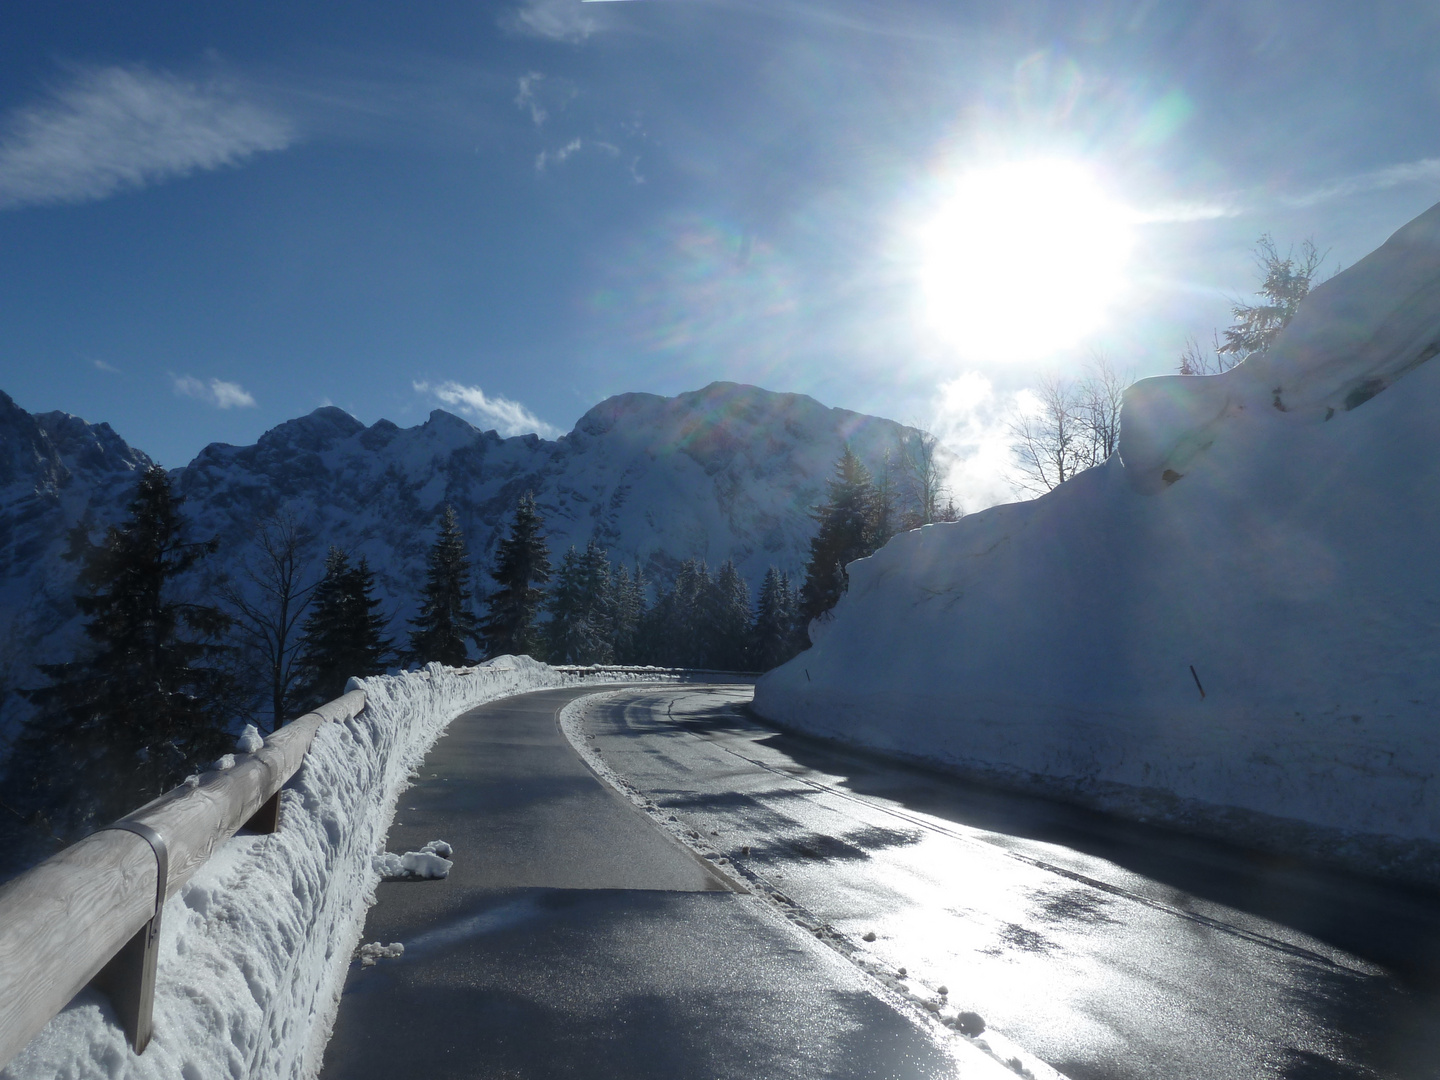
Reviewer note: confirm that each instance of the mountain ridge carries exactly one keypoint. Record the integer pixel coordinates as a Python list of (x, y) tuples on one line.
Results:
[(729, 471)]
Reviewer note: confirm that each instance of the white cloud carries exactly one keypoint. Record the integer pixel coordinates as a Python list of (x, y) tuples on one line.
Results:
[(223, 395), (101, 365), (115, 128), (528, 99), (972, 420), (547, 158), (558, 20), (505, 416)]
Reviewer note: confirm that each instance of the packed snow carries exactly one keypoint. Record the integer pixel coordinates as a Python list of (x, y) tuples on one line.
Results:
[(1233, 624), (255, 946)]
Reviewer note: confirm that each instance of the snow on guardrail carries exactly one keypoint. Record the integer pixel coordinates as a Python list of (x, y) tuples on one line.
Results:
[(254, 947)]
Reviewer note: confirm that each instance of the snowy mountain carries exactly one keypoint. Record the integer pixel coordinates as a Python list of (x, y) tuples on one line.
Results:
[(54, 468), (1234, 623), (729, 471)]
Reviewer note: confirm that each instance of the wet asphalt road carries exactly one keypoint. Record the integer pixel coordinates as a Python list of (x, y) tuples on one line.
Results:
[(575, 938), (1107, 949)]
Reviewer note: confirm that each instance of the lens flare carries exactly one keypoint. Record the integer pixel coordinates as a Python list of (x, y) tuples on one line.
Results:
[(1023, 259)]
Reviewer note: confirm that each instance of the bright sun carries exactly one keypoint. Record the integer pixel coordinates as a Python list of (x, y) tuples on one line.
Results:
[(1023, 259)]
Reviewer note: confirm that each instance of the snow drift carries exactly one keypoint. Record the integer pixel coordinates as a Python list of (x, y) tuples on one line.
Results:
[(254, 947), (1233, 624)]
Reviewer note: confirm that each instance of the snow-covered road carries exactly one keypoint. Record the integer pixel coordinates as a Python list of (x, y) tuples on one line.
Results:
[(1107, 949)]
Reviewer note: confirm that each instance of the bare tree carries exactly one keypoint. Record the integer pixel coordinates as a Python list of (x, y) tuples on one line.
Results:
[(1099, 396), (1076, 426), (924, 480), (269, 601), (1047, 442)]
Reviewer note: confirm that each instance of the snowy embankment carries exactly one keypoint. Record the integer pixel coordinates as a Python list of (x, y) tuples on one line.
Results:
[(254, 948), (1233, 625)]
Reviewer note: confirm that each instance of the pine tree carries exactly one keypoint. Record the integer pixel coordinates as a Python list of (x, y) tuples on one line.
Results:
[(522, 567), (846, 533), (729, 620), (628, 591), (581, 609), (149, 699), (343, 637), (772, 636), (1284, 282), (446, 621)]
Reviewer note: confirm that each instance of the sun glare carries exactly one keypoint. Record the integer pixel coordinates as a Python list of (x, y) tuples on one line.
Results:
[(1024, 259)]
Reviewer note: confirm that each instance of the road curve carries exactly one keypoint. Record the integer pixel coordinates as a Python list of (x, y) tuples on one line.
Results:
[(574, 938), (1109, 950)]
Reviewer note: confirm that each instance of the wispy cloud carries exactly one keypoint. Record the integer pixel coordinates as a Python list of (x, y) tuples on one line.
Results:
[(1425, 171), (1184, 213), (117, 128), (558, 20), (546, 158), (506, 416), (101, 365), (527, 98), (221, 394)]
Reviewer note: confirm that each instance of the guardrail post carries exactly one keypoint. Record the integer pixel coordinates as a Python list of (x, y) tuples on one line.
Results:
[(129, 978), (267, 818)]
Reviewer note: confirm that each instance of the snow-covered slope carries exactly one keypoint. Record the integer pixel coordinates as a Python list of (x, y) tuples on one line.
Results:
[(729, 471), (1268, 534)]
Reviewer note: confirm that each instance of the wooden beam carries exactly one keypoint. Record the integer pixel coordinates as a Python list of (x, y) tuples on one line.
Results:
[(62, 921)]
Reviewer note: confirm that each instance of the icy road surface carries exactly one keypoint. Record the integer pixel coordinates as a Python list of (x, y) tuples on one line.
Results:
[(574, 937), (1106, 949)]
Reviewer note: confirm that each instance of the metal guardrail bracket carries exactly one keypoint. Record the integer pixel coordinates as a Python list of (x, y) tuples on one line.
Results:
[(129, 978), (267, 818)]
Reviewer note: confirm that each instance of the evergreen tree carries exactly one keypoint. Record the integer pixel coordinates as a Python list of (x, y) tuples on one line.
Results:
[(522, 567), (678, 629), (446, 621), (581, 628), (729, 620), (149, 698), (846, 532), (343, 636), (629, 611), (1284, 282), (772, 637)]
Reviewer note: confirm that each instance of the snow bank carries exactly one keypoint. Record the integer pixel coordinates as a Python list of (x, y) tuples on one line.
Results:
[(254, 948), (1233, 625)]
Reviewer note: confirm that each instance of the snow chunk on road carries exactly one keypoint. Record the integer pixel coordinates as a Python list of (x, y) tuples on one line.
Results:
[(412, 865), (376, 951)]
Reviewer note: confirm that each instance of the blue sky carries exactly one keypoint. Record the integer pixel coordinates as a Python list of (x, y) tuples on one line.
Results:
[(216, 217)]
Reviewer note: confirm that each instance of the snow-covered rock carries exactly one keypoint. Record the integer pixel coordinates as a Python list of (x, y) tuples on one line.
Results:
[(1233, 624), (729, 471)]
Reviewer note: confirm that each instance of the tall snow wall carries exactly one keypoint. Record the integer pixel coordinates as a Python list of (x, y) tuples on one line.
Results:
[(255, 946), (1232, 626)]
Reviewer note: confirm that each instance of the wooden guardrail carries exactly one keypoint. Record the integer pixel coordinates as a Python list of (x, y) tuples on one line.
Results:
[(92, 912), (623, 669)]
